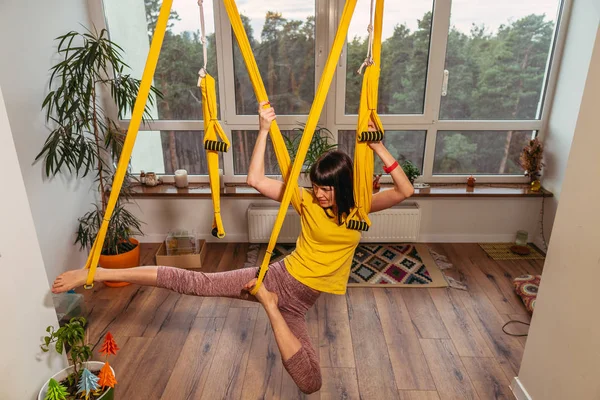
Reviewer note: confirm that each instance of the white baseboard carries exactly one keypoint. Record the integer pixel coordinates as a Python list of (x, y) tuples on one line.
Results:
[(519, 390), (466, 238)]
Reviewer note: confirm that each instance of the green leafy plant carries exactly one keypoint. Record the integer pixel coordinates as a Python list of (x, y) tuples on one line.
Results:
[(83, 138), (70, 338), (321, 143), (411, 171), (531, 159)]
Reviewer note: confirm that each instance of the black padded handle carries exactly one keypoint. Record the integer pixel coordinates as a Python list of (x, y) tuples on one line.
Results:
[(215, 145)]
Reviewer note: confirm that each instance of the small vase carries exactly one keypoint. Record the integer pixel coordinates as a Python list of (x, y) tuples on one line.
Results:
[(536, 185)]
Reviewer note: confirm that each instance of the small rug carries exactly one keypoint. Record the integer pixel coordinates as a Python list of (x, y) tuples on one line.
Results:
[(501, 251), (399, 265)]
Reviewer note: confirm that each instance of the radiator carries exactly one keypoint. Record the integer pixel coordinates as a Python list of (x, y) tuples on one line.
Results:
[(396, 224)]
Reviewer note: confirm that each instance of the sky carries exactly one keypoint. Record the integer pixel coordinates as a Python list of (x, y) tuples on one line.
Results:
[(492, 13)]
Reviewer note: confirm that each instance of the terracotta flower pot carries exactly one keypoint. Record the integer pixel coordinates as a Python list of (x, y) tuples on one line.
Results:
[(130, 259), (92, 366)]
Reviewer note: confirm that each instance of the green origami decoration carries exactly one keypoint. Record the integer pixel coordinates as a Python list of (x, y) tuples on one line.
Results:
[(56, 391)]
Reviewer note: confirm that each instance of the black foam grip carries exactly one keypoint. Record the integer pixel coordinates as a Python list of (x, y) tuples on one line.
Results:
[(357, 225), (215, 232), (376, 136), (215, 145), (258, 273)]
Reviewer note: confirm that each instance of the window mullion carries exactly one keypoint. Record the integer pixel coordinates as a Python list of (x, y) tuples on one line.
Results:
[(437, 59)]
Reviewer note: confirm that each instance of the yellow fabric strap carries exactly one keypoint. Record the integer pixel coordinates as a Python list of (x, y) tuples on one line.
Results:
[(134, 125), (212, 128), (291, 193), (281, 152), (363, 155)]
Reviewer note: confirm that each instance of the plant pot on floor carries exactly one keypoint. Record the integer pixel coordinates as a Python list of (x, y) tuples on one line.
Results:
[(130, 259), (93, 366)]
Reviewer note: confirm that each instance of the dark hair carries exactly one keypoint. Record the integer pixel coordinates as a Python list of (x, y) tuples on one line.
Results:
[(334, 169)]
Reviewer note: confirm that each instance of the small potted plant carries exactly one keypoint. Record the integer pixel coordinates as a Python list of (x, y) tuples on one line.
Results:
[(85, 138), (83, 378), (320, 144), (531, 162), (411, 171)]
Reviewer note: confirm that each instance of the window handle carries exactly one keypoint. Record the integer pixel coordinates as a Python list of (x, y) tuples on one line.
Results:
[(445, 83)]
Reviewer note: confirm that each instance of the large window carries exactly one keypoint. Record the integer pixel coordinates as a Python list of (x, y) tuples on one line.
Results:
[(463, 85), (283, 41), (406, 35)]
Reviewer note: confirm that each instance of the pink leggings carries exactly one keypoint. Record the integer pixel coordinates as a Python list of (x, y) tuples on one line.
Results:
[(295, 299)]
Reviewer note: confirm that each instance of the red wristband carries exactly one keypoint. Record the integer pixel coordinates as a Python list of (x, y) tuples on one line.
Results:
[(391, 167)]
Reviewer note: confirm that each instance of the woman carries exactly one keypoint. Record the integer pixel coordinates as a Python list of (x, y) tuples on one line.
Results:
[(320, 263)]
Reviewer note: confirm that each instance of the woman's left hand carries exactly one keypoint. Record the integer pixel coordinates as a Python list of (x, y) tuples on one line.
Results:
[(376, 145)]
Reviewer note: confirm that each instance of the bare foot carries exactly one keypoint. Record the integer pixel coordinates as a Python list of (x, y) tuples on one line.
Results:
[(69, 280), (266, 298)]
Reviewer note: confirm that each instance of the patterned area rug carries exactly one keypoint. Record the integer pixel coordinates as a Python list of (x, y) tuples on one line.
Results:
[(501, 251), (400, 265)]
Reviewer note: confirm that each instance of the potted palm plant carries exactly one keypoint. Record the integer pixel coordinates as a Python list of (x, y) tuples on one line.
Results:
[(85, 139), (320, 143)]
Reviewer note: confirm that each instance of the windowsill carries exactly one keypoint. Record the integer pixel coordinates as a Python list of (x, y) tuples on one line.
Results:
[(201, 190)]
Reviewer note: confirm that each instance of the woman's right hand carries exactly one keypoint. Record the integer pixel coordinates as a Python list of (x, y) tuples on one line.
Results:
[(266, 116)]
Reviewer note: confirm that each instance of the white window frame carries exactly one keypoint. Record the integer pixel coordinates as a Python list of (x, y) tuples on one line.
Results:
[(333, 117)]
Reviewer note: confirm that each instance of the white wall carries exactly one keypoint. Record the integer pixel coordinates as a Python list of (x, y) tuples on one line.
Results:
[(562, 356), (28, 51), (443, 220), (574, 66), (25, 305)]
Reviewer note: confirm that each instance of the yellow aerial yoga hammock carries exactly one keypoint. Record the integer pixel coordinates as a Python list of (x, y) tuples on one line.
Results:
[(212, 128), (291, 177), (291, 192), (363, 154), (134, 125)]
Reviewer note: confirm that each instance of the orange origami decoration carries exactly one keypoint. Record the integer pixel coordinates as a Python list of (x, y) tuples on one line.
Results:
[(106, 377), (109, 346)]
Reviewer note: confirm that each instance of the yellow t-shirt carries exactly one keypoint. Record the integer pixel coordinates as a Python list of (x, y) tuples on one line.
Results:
[(324, 250)]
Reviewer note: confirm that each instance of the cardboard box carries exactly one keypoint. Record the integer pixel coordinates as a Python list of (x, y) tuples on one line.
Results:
[(186, 261)]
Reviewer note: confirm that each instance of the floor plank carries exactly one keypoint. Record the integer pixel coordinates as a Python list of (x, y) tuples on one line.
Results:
[(424, 315), (464, 333), (144, 315), (191, 371), (384, 331), (265, 368), (226, 376), (507, 349), (516, 328), (164, 349), (501, 290), (450, 375), (339, 383), (335, 342), (418, 395), (488, 282), (373, 366), (127, 362), (408, 362), (488, 378)]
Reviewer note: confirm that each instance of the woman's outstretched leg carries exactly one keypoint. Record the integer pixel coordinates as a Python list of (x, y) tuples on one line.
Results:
[(221, 284), (146, 276)]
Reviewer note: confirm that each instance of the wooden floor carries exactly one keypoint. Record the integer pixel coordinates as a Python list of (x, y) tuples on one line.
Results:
[(397, 343)]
